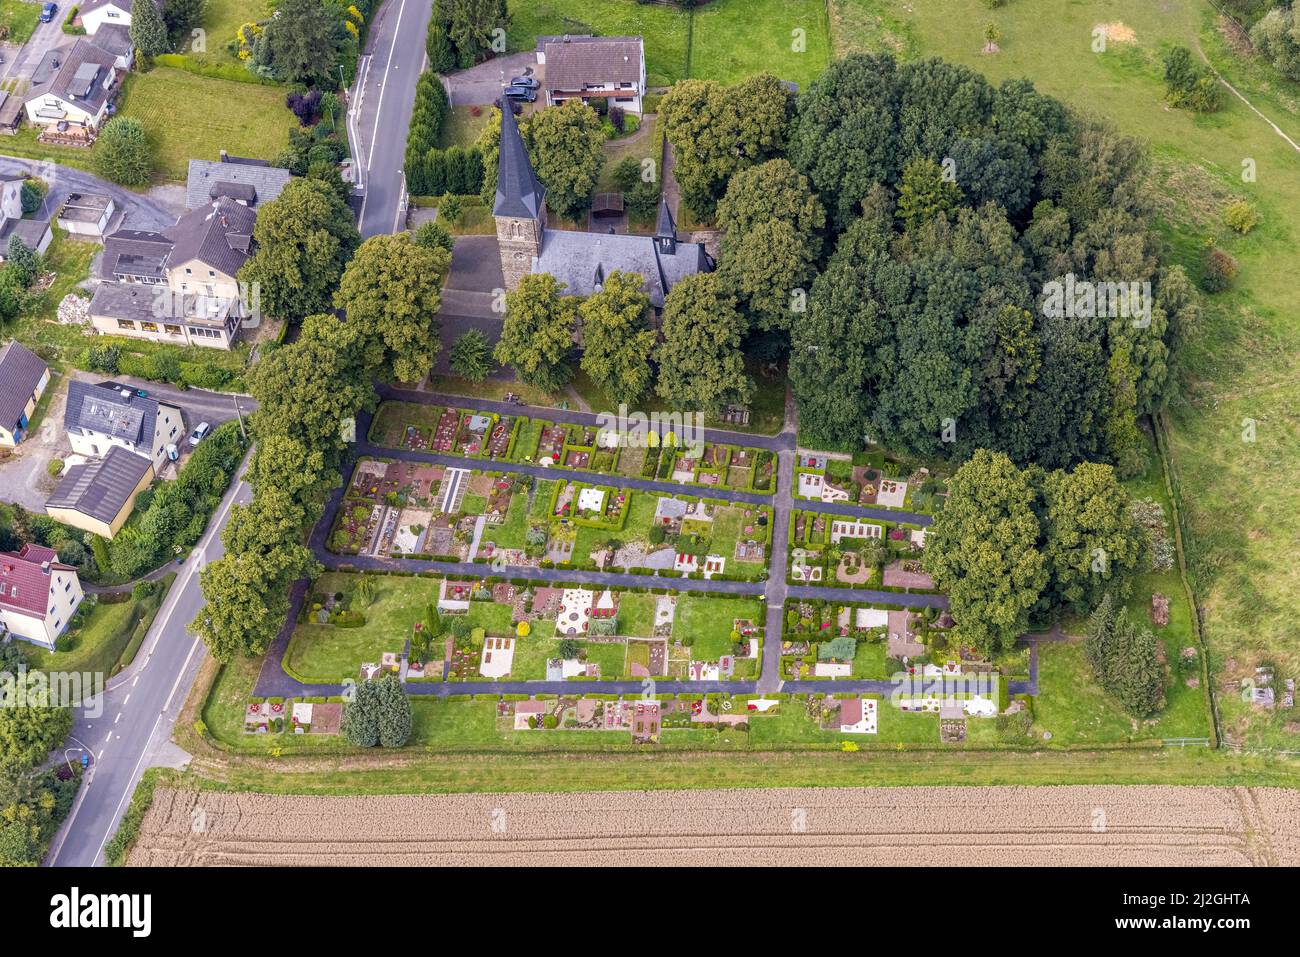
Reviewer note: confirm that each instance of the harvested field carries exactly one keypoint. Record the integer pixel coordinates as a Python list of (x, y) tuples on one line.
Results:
[(1149, 826)]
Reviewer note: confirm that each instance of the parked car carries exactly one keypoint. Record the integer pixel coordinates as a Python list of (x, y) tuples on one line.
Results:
[(526, 81), (200, 432), (520, 93), (48, 11)]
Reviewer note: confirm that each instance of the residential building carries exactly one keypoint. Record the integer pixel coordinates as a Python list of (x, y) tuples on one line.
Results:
[(592, 68), (23, 378), (192, 268), (96, 14), (98, 495), (38, 594), (86, 214), (247, 181), (580, 260), (72, 88), (35, 234), (101, 416)]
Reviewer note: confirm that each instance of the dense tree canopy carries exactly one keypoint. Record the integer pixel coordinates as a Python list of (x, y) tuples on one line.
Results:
[(700, 363), (392, 288), (537, 334), (565, 143), (304, 238), (617, 341)]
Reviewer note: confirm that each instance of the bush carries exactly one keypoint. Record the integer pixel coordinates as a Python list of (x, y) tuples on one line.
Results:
[(1189, 84), (1241, 217), (55, 468), (1220, 270), (122, 152)]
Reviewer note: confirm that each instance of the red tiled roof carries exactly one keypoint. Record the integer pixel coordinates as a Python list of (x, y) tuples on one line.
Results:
[(25, 579)]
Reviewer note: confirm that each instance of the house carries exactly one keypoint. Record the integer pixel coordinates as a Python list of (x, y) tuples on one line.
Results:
[(86, 214), (98, 496), (249, 182), (580, 260), (114, 38), (38, 594), (72, 88), (593, 68), (99, 417), (23, 378), (192, 266), (35, 234), (96, 14)]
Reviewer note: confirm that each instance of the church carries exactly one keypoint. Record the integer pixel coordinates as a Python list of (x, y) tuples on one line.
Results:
[(580, 260)]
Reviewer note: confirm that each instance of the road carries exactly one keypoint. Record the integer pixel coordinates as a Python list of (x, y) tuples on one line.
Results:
[(134, 727), (137, 211), (382, 98)]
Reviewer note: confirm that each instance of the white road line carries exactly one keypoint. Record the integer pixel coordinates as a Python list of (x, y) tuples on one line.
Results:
[(117, 719), (126, 700), (379, 109)]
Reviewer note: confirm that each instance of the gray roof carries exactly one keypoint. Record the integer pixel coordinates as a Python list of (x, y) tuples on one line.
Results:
[(75, 73), (141, 303), (219, 234), (518, 192), (583, 260), (113, 37), (84, 207), (573, 61), (85, 6), (101, 488), (31, 232), (245, 180), (664, 225), (134, 252), (102, 408), (20, 371)]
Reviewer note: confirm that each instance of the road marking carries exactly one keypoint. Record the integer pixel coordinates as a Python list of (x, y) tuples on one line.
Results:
[(379, 109), (117, 719), (109, 738), (126, 701)]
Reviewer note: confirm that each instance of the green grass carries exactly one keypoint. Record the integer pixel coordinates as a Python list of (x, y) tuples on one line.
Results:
[(462, 127), (869, 661), (103, 635), (665, 29), (510, 533), (221, 19), (19, 19), (733, 39), (636, 615), (1242, 361), (244, 118), (709, 620), (327, 653)]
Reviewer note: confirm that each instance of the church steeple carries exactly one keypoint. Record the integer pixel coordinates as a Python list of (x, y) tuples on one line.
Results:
[(520, 206), (666, 230)]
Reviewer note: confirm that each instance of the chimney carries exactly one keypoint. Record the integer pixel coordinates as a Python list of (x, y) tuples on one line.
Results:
[(225, 157)]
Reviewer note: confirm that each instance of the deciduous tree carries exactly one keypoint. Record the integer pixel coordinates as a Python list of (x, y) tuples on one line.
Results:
[(537, 334), (616, 339), (566, 147), (700, 363)]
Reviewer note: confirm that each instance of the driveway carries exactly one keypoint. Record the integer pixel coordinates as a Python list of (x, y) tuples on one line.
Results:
[(45, 38), (482, 84), (136, 211)]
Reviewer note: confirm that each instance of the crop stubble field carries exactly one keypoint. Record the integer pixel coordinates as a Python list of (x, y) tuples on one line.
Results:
[(1091, 825)]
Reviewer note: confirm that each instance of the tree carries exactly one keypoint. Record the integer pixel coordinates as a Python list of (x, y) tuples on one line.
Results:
[(147, 31), (716, 131), (566, 146), (33, 194), (773, 190), (1190, 84), (1276, 37), (122, 152), (380, 715), (471, 356), (1091, 542), (247, 599), (768, 270), (180, 16), (434, 235), (284, 462), (982, 551), (1125, 659), (537, 334), (303, 41), (303, 237), (392, 289), (925, 194), (308, 390), (700, 363), (29, 727), (617, 341)]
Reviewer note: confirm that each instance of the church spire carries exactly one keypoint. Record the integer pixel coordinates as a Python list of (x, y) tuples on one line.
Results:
[(518, 192)]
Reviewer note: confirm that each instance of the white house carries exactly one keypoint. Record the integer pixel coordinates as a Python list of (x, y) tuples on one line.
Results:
[(38, 594), (99, 417), (593, 68), (71, 89), (96, 13), (35, 234)]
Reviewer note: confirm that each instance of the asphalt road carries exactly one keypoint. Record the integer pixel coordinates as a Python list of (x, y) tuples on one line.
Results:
[(137, 211), (381, 110), (132, 728)]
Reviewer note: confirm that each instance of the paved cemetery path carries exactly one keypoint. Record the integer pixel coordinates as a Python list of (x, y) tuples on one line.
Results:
[(273, 681)]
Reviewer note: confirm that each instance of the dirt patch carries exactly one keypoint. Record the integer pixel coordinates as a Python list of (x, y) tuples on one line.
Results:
[(1006, 826), (1118, 31)]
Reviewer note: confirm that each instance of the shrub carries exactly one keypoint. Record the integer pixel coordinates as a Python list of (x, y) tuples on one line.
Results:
[(55, 468), (122, 152), (1241, 217), (1220, 270)]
